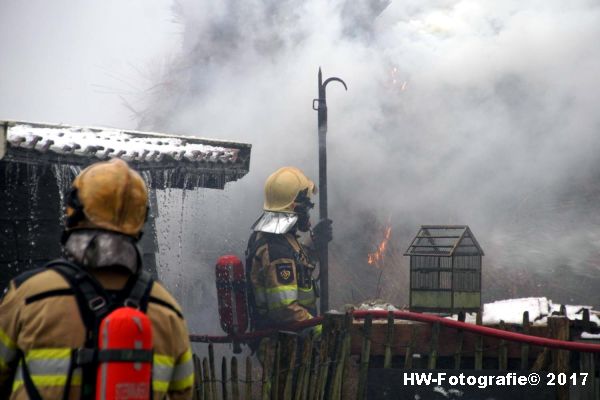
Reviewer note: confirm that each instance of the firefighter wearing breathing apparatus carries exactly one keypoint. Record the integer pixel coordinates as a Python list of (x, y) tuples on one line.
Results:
[(93, 324), (280, 267)]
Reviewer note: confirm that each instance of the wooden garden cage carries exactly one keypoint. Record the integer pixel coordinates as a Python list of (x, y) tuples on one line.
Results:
[(445, 269)]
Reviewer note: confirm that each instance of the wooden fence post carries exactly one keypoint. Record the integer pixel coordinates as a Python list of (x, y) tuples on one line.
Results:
[(329, 341), (408, 356), (479, 345), (224, 394), (586, 325), (235, 389), (341, 326), (525, 346), (364, 358), (587, 365), (304, 370), (346, 353), (389, 340), (435, 333), (313, 387), (248, 395), (459, 342), (321, 368), (197, 378), (542, 361), (289, 345), (208, 393), (266, 375), (213, 375), (559, 329), (502, 350)]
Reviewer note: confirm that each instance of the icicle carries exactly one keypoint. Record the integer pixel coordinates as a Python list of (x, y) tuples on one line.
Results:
[(10, 172), (62, 174), (166, 179), (181, 223), (147, 177), (33, 189), (75, 170)]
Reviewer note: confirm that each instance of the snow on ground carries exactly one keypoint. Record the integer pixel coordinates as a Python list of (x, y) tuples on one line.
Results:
[(590, 336), (510, 311), (377, 306)]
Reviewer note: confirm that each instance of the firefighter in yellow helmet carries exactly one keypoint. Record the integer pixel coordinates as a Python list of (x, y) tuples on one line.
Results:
[(280, 266), (48, 347)]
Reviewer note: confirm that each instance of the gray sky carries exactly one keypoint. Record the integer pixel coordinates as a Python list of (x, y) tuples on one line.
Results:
[(74, 62)]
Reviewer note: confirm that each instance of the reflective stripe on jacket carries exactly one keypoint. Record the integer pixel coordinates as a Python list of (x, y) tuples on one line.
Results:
[(281, 277), (48, 368), (169, 374), (8, 351), (45, 328)]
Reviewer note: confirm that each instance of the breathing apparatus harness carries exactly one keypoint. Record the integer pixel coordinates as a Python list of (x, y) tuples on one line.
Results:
[(97, 306)]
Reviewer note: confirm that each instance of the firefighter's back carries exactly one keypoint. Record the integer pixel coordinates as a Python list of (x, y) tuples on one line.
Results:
[(41, 311), (50, 319)]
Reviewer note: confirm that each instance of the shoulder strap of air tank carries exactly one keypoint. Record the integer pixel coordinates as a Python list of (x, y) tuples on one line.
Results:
[(32, 392), (299, 250), (140, 292), (24, 276), (72, 274), (92, 299), (254, 243), (257, 239), (250, 245), (94, 304)]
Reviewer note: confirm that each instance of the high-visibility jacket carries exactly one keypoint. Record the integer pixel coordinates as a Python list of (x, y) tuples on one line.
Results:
[(40, 319), (281, 276)]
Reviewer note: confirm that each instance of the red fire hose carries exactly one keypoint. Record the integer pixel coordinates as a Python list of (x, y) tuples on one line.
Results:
[(413, 316)]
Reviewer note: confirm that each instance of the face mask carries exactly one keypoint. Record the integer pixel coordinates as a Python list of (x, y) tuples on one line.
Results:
[(303, 206)]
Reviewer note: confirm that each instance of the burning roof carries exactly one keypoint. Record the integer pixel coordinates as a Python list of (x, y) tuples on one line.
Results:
[(165, 160)]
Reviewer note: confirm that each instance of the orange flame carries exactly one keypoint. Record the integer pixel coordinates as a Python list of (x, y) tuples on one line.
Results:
[(378, 255)]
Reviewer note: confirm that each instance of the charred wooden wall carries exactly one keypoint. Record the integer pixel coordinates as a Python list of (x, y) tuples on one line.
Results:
[(31, 219)]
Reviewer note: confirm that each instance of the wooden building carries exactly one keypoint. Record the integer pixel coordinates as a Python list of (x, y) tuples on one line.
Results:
[(39, 161)]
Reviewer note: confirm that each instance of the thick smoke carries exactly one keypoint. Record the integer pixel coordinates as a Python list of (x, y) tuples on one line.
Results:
[(458, 112)]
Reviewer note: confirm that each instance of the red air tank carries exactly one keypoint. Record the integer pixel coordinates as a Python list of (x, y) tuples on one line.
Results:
[(124, 329), (231, 294)]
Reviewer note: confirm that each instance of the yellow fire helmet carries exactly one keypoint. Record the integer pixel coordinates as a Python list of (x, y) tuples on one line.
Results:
[(282, 188), (108, 195)]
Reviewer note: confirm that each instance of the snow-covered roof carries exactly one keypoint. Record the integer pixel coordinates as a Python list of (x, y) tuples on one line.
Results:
[(208, 160), (444, 241)]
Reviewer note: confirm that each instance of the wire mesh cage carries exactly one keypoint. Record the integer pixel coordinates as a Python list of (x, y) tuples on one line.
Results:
[(445, 269)]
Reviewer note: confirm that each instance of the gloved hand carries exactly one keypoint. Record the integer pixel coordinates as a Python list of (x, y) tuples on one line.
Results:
[(322, 233)]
